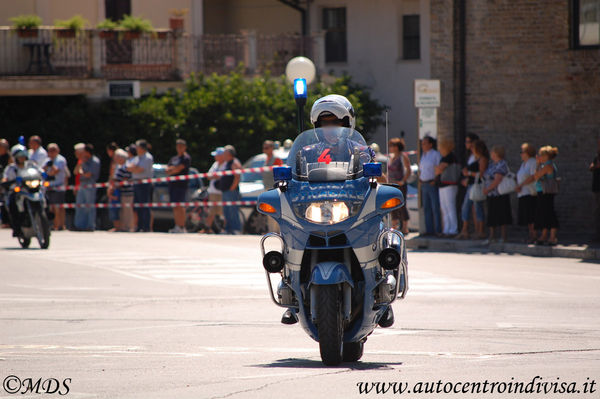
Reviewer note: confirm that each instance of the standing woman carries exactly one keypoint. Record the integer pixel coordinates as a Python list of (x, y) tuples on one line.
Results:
[(499, 213), (472, 166), (399, 170), (526, 191), (448, 175), (547, 187), (481, 157)]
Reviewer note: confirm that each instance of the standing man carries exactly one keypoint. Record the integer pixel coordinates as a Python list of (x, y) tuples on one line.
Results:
[(229, 186), (177, 166), (141, 168), (88, 171), (56, 166), (268, 179), (430, 158), (595, 169), (214, 194), (37, 153)]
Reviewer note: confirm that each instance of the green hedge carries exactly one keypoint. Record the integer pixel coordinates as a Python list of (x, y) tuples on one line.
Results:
[(211, 111)]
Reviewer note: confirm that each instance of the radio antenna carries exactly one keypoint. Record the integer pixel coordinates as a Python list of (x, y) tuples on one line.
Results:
[(387, 164)]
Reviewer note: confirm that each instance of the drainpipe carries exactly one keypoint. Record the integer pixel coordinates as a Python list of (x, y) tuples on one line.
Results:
[(460, 76)]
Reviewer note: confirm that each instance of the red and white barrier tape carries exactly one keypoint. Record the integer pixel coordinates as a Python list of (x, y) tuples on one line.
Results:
[(166, 179), (159, 204)]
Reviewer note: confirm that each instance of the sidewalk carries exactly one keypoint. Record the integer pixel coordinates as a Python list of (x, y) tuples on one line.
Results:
[(569, 247)]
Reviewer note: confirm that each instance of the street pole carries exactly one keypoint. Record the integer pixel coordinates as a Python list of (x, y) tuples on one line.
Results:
[(300, 102)]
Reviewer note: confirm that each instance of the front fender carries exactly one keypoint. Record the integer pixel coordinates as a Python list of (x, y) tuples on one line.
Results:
[(329, 273)]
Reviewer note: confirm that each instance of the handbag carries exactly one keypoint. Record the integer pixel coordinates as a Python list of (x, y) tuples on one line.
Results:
[(550, 185), (476, 194), (451, 175), (508, 184)]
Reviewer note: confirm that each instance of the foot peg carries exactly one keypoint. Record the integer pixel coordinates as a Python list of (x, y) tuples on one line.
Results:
[(289, 317), (387, 320)]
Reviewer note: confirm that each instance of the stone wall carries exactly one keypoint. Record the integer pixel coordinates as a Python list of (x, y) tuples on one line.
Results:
[(524, 83)]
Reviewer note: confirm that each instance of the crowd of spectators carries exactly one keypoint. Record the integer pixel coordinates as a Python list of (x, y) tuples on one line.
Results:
[(134, 162), (489, 183)]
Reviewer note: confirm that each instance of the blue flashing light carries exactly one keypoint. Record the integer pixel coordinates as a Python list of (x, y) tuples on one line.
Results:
[(372, 169), (282, 173), (300, 88), (22, 140), (44, 175)]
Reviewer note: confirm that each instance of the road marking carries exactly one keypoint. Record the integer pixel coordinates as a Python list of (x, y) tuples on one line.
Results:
[(223, 272)]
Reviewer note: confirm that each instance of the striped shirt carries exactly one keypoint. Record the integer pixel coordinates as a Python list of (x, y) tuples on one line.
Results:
[(122, 174)]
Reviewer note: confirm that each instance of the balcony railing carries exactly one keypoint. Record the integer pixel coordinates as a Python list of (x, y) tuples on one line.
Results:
[(160, 55)]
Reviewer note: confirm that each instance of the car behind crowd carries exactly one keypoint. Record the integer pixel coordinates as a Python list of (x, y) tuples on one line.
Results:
[(251, 186)]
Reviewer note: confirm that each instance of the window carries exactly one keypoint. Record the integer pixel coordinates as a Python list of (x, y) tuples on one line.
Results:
[(411, 37), (586, 23), (115, 9), (334, 25)]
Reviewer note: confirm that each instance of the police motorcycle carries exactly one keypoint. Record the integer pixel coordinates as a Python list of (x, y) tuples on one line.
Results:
[(341, 268), (26, 200)]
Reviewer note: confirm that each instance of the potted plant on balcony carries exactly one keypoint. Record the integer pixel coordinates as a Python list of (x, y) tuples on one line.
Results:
[(26, 25), (107, 29), (70, 27), (135, 26), (176, 18)]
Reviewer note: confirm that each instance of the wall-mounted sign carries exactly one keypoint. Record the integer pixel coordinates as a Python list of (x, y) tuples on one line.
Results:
[(427, 93)]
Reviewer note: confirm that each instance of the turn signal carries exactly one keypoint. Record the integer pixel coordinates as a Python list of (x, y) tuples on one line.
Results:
[(17, 189), (391, 203), (266, 208), (46, 184)]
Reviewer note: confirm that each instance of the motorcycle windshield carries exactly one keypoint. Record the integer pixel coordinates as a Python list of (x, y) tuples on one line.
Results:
[(30, 172), (329, 154)]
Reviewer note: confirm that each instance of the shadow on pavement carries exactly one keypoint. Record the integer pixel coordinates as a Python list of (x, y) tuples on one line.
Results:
[(317, 364)]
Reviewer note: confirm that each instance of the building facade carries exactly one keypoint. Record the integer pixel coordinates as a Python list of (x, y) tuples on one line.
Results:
[(524, 71)]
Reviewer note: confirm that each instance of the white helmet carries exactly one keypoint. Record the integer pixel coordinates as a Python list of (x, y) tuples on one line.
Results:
[(19, 150), (333, 104)]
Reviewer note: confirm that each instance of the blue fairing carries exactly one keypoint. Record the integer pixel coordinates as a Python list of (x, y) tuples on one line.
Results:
[(328, 273)]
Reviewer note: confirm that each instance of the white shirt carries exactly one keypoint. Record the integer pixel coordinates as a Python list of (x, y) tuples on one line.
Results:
[(39, 156), (527, 169), (61, 164), (216, 167), (429, 160), (145, 161)]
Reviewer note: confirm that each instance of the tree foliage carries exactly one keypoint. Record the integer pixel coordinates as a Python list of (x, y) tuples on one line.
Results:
[(210, 111)]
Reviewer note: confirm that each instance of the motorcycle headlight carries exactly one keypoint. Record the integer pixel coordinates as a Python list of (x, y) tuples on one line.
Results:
[(33, 183), (327, 212)]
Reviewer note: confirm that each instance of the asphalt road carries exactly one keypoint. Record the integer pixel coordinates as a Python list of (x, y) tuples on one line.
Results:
[(188, 316)]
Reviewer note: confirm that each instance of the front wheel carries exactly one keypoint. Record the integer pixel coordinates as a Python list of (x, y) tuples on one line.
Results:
[(42, 228), (330, 324)]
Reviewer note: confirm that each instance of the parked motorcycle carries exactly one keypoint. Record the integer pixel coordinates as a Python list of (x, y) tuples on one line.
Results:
[(341, 268), (28, 195)]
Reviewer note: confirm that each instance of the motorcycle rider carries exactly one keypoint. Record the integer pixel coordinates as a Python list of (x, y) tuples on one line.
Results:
[(327, 113), (335, 110), (20, 162)]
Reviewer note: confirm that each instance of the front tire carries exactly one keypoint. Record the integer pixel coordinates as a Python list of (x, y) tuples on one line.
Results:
[(330, 324), (42, 228)]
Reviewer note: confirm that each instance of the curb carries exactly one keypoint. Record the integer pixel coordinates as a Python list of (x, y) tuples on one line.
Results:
[(449, 245)]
